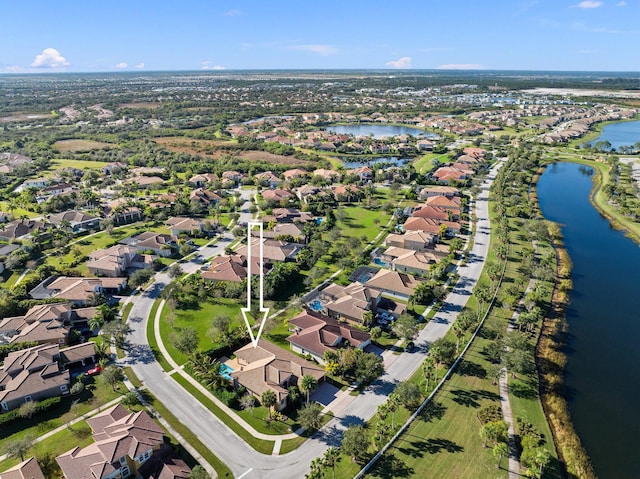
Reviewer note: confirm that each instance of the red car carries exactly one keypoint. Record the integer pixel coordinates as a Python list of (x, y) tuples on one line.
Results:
[(94, 371)]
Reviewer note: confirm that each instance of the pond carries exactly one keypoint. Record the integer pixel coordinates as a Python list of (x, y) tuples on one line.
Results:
[(625, 133), (355, 162), (602, 375), (379, 131)]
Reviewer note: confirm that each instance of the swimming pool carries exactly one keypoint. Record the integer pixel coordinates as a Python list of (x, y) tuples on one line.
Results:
[(315, 305), (225, 372), (379, 262)]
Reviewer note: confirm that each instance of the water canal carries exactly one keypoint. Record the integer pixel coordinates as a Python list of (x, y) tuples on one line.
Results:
[(603, 370)]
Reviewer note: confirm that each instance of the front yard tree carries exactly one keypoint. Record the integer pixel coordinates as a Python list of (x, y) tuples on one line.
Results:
[(112, 376), (140, 277), (174, 271), (368, 367), (18, 448), (406, 327), (408, 394), (499, 451), (355, 443), (28, 409), (187, 341), (308, 384), (221, 329), (268, 400), (310, 416)]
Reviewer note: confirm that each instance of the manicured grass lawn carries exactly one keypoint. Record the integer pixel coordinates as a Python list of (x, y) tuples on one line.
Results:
[(198, 319), (61, 442), (17, 213), (424, 163), (59, 164), (151, 338), (360, 221), (96, 393)]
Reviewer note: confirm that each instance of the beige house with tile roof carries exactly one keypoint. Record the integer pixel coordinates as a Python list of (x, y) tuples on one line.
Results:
[(124, 441), (415, 240), (350, 302), (118, 261), (393, 282), (32, 374), (29, 469), (269, 367), (76, 290)]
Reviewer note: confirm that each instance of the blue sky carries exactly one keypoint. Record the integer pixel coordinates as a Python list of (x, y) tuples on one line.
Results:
[(130, 35)]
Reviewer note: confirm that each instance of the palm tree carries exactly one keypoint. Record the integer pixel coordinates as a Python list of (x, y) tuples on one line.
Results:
[(96, 322), (499, 451), (428, 367), (308, 384), (393, 403), (268, 400), (207, 370), (315, 469), (330, 458)]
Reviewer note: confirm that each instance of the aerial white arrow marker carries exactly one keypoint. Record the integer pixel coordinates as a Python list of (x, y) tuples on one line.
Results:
[(263, 311)]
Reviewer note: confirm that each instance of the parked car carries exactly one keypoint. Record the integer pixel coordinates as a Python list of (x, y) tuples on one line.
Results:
[(94, 371)]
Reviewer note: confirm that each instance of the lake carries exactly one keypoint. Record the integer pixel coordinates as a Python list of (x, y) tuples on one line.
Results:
[(624, 133), (391, 160), (379, 131), (602, 375)]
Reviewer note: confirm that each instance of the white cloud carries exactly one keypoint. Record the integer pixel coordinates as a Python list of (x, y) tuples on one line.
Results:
[(590, 4), (318, 49), (233, 13), (461, 66), (122, 65), (140, 65), (621, 4), (404, 62), (207, 65), (50, 58)]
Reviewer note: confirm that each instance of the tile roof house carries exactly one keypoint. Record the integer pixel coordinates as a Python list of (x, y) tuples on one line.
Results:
[(295, 173), (273, 250), (29, 469), (18, 229), (393, 282), (415, 240), (32, 374), (269, 367), (160, 244), (230, 268), (165, 464), (277, 196), (268, 178), (79, 220), (363, 172), (452, 203), (203, 179), (205, 197), (288, 215), (118, 261), (330, 175), (347, 193), (349, 302), (76, 290), (435, 212), (422, 224), (124, 441), (295, 230), (438, 190), (315, 334), (410, 261), (181, 224)]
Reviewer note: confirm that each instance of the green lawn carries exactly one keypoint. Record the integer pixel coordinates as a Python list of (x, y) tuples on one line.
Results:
[(59, 164), (200, 320)]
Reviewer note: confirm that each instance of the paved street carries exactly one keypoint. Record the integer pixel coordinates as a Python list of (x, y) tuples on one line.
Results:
[(244, 461)]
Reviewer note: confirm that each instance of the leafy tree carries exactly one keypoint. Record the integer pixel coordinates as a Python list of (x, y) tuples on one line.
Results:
[(307, 385), (221, 329), (406, 326), (199, 472), (174, 271), (186, 341), (443, 352), (494, 432), (408, 394), (268, 400), (112, 375), (247, 403), (310, 416), (499, 451), (28, 409), (140, 277), (131, 399), (355, 443), (18, 448), (368, 367), (423, 294)]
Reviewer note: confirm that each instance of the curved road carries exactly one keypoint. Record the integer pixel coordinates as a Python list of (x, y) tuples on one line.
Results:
[(243, 460)]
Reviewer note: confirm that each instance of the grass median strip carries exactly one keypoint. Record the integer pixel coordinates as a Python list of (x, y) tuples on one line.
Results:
[(151, 338)]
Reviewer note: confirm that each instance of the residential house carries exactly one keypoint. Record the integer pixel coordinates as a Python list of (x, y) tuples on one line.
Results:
[(436, 213), (309, 193), (165, 464), (202, 180), (230, 268), (118, 261), (284, 230), (422, 224), (79, 291), (289, 215), (22, 228), (294, 173), (449, 173), (28, 469), (347, 193), (205, 197), (123, 213), (268, 367), (56, 189), (268, 178), (329, 175), (159, 244), (36, 183), (144, 180), (32, 374), (274, 251), (232, 178), (413, 240), (78, 220), (78, 355), (149, 170), (277, 196), (114, 167), (425, 145), (181, 224), (349, 303), (364, 173), (410, 261), (393, 283), (445, 202), (438, 190), (124, 441), (315, 334)]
